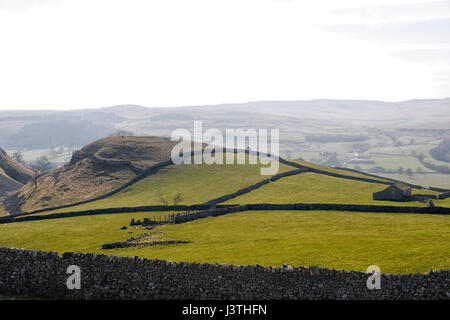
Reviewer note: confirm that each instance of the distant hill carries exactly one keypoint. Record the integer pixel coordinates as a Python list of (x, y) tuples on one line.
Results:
[(327, 132), (45, 129), (96, 169)]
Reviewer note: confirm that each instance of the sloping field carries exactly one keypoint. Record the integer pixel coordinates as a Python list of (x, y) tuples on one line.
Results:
[(398, 243), (312, 187), (443, 203), (196, 183)]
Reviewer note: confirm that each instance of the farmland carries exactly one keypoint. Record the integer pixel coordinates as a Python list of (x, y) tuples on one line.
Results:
[(316, 188), (398, 243)]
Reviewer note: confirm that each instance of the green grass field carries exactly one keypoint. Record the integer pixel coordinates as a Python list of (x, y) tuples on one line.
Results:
[(196, 184), (311, 187), (442, 203), (78, 234), (398, 243)]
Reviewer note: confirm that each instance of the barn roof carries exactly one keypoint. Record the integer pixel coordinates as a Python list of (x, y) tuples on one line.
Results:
[(402, 186)]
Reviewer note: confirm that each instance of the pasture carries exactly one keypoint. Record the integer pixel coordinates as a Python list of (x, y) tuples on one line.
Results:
[(398, 243)]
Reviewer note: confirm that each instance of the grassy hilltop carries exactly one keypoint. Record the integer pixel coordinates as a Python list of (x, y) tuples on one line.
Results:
[(96, 169)]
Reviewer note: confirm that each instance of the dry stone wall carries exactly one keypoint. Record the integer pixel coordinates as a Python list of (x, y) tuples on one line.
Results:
[(444, 195), (44, 274), (256, 206)]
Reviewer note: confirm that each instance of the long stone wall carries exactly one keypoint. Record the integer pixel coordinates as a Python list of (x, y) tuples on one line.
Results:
[(349, 207), (255, 206), (256, 186), (444, 195), (191, 216), (44, 274)]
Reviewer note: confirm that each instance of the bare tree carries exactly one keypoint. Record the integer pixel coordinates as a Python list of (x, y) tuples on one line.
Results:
[(177, 199), (35, 178), (18, 156), (162, 198), (43, 164)]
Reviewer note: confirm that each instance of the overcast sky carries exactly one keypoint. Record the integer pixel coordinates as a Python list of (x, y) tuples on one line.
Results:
[(63, 54)]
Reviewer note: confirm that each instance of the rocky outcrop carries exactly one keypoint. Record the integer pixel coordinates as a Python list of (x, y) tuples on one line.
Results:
[(96, 170)]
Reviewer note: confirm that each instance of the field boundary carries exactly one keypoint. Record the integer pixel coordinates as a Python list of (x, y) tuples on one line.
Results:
[(256, 186), (344, 176), (249, 207), (44, 274)]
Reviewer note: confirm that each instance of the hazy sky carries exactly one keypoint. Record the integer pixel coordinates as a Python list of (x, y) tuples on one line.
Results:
[(61, 54)]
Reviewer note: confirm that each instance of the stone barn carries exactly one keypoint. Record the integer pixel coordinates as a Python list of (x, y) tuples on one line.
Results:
[(396, 192)]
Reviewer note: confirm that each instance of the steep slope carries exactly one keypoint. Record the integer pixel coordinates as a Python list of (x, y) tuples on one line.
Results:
[(94, 170), (7, 185), (13, 169)]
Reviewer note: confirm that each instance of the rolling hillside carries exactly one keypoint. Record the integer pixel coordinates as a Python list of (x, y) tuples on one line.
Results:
[(334, 238), (201, 183), (196, 183)]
